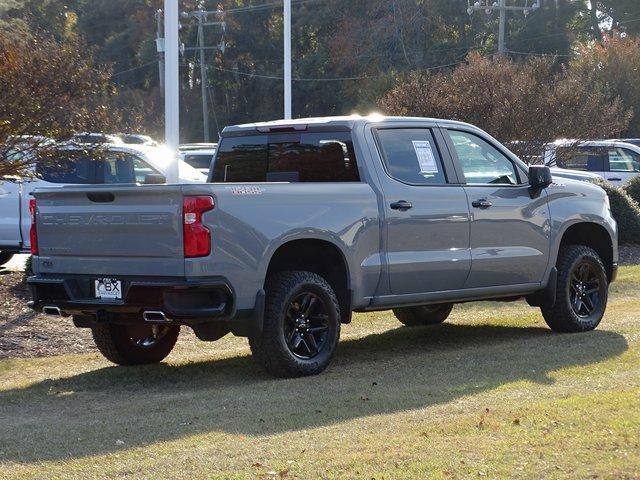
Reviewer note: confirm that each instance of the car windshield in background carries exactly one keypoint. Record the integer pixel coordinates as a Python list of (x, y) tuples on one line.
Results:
[(199, 161), (287, 157)]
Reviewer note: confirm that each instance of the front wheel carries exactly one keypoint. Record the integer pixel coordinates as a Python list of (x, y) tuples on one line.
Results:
[(423, 315), (301, 325), (581, 292), (135, 344)]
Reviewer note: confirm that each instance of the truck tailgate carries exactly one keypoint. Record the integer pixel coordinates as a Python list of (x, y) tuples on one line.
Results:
[(122, 230)]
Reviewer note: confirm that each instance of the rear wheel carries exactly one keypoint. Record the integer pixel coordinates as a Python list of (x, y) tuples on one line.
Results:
[(581, 292), (423, 315), (5, 257), (135, 344), (301, 325)]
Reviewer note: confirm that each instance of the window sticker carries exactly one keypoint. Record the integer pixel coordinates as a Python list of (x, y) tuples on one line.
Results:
[(426, 159)]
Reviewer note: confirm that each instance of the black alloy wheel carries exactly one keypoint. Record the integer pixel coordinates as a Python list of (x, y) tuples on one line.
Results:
[(306, 325), (586, 289)]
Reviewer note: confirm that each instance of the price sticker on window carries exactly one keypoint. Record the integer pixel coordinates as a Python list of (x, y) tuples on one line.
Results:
[(426, 158)]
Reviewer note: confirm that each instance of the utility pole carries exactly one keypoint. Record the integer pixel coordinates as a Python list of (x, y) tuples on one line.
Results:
[(202, 17), (160, 49), (287, 59), (172, 86), (503, 8), (502, 48), (203, 80)]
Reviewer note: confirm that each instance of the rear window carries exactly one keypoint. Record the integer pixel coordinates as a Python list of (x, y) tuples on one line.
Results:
[(296, 157), (77, 168), (67, 167)]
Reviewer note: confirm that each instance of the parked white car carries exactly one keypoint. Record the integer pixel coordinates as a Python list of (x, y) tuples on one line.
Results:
[(121, 164), (199, 155), (613, 160)]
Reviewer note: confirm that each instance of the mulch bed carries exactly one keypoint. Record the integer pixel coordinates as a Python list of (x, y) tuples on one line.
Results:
[(629, 254), (23, 333)]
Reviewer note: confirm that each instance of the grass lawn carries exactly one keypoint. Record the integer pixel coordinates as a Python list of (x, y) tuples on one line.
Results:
[(491, 393)]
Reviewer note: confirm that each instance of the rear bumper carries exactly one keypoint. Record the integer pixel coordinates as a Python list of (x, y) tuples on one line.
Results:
[(181, 301)]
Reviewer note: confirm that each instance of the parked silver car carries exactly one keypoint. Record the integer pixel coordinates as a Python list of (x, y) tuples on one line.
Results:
[(613, 160), (73, 164)]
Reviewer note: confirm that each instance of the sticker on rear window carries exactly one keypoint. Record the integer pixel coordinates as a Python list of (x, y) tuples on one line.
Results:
[(426, 159)]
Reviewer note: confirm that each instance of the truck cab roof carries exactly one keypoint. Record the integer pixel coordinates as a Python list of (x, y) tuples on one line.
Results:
[(343, 123)]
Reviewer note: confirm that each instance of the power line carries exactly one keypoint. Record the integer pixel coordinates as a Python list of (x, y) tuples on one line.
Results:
[(144, 65), (267, 6), (579, 30), (327, 79), (539, 54)]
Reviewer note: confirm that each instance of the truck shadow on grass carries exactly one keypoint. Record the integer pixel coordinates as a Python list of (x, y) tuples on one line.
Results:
[(399, 370)]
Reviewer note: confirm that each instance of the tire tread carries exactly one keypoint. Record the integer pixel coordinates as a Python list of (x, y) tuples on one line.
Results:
[(267, 348), (560, 317)]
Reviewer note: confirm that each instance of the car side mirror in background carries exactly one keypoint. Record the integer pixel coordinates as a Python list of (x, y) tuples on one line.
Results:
[(154, 179), (539, 179)]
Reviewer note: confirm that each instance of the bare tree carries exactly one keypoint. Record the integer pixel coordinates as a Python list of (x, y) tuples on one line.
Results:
[(524, 104), (48, 90)]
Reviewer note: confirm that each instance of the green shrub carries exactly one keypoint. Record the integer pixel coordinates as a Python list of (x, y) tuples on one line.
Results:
[(633, 188), (28, 268), (626, 211)]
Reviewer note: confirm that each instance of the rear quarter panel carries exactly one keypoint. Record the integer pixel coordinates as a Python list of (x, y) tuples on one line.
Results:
[(251, 221)]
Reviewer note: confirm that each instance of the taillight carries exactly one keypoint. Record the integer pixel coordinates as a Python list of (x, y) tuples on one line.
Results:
[(33, 232), (197, 237)]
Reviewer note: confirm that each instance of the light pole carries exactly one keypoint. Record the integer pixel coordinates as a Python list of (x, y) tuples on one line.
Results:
[(287, 59), (172, 86)]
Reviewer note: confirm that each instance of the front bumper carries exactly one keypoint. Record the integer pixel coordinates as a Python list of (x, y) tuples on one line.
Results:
[(180, 300)]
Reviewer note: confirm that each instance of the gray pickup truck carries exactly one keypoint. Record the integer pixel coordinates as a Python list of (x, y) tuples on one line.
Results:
[(304, 222)]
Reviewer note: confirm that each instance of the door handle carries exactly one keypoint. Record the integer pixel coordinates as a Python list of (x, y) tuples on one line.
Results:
[(482, 203), (401, 205)]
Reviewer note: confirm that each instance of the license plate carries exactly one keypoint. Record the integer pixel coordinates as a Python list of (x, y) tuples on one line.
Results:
[(109, 288)]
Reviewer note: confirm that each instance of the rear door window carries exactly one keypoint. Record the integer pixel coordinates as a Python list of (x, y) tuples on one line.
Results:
[(287, 157), (623, 160), (411, 156)]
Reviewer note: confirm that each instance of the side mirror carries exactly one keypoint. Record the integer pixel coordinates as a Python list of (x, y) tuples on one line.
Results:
[(154, 179), (540, 177)]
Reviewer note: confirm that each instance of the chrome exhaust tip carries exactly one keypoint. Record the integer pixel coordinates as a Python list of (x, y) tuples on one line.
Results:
[(155, 317), (52, 310)]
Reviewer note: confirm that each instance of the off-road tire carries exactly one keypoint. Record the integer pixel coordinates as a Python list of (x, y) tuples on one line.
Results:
[(5, 257), (561, 317), (117, 346), (270, 349), (423, 315)]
